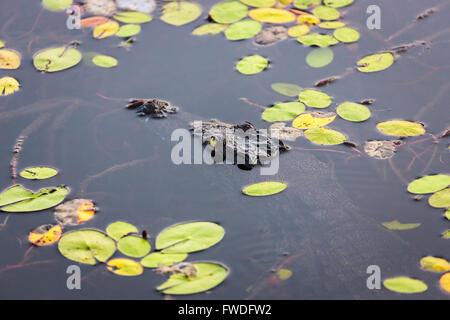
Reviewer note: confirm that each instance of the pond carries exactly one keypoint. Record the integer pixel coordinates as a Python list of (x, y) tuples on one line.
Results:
[(325, 227)]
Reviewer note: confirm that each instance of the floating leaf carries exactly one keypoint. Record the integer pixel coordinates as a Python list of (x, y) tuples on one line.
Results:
[(124, 267), (45, 235), (326, 13), (346, 34), (128, 30), (189, 237), (429, 184), (105, 30), (405, 285), (401, 128), (271, 15), (157, 258), (93, 21), (446, 234), (376, 62), (315, 39), (353, 111), (119, 229), (337, 3), (180, 13), (305, 4), (445, 282), (320, 57), (87, 246), (447, 214), (146, 6), (434, 264), (252, 64), (208, 276), (260, 3), (298, 30), (440, 199), (8, 85), (283, 111), (22, 200), (381, 149), (396, 225), (104, 61), (314, 98), (313, 120), (9, 59), (279, 131), (284, 274), (287, 89), (132, 17), (100, 7), (2, 44), (324, 136), (271, 35), (56, 5), (210, 28), (265, 188), (56, 59), (134, 246), (309, 19), (75, 212), (38, 173), (244, 29), (228, 12), (331, 24)]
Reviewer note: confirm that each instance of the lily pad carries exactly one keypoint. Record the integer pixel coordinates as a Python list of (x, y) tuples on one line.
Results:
[(447, 214), (376, 62), (260, 3), (210, 28), (308, 19), (252, 64), (119, 229), (396, 225), (38, 173), (93, 21), (440, 199), (313, 120), (270, 35), (2, 44), (8, 85), (284, 274), (401, 128), (134, 246), (305, 4), (9, 59), (280, 131), (189, 237), (272, 15), (405, 285), (434, 264), (180, 13), (353, 111), (315, 98), (45, 235), (326, 13), (265, 188), (381, 149), (105, 30), (75, 212), (298, 30), (87, 246), (319, 57), (56, 59), (283, 111), (228, 12), (124, 267), (325, 136), (244, 29), (446, 234), (56, 5), (146, 6), (445, 282), (331, 24), (286, 89), (429, 184), (132, 17), (346, 34), (128, 30), (319, 40), (104, 61), (337, 3), (100, 7), (209, 275), (157, 258)]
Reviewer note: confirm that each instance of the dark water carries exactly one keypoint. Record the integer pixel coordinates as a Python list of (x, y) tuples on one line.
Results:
[(327, 220)]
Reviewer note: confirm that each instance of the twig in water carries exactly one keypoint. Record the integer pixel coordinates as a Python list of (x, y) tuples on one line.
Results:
[(397, 172), (3, 224), (252, 103)]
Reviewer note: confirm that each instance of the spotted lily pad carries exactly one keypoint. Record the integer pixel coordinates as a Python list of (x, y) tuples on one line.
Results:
[(38, 173), (376, 62), (45, 235), (9, 59), (401, 128), (440, 199), (313, 120), (56, 5), (180, 13), (134, 246), (244, 29), (315, 98), (429, 184), (396, 225), (286, 89), (56, 59), (265, 188), (228, 12), (283, 111), (87, 246), (298, 30), (124, 267), (309, 19), (337, 3), (346, 34), (272, 15), (381, 149), (353, 111), (75, 212), (319, 57), (405, 285), (325, 136), (305, 4), (8, 85), (252, 64), (319, 40), (210, 28), (128, 30), (132, 17), (189, 237), (157, 258), (326, 13), (18, 199), (435, 264), (104, 61), (260, 3), (119, 229)]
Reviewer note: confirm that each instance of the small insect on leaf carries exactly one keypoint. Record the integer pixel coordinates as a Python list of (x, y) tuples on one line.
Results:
[(45, 235)]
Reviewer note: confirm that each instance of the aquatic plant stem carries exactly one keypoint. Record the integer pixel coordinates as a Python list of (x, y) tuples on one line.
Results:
[(252, 103), (397, 172)]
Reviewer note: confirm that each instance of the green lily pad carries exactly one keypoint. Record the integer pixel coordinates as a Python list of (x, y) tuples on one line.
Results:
[(396, 225), (326, 13), (447, 214), (180, 13), (244, 29), (314, 98), (2, 44), (325, 136), (331, 24), (346, 34), (319, 57), (405, 285), (104, 61), (353, 111), (189, 237), (38, 173), (283, 111), (376, 62), (305, 4), (56, 5), (259, 3), (56, 59), (124, 267), (446, 234), (265, 188), (429, 184), (440, 199), (209, 275), (401, 128), (284, 274), (210, 28), (228, 12), (119, 229), (128, 30), (286, 89), (134, 246), (86, 246), (156, 258), (315, 39), (337, 3), (434, 264), (132, 17), (252, 64), (19, 199)]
